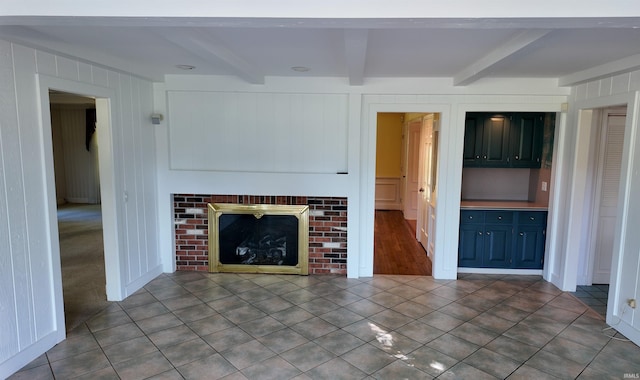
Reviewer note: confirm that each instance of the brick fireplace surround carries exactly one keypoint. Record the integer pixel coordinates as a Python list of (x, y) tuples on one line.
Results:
[(327, 229)]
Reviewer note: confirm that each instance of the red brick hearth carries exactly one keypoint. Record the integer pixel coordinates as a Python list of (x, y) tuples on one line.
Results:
[(327, 229)]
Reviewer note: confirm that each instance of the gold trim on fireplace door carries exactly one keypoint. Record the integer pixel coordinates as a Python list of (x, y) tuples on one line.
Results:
[(300, 212)]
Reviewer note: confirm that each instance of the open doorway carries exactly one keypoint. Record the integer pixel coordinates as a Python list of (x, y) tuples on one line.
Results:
[(604, 172), (405, 168), (78, 199)]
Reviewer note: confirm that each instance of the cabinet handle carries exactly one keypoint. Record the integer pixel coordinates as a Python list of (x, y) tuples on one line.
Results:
[(500, 217), (470, 216), (532, 218), (485, 156), (479, 232), (517, 158), (521, 233), (488, 233), (478, 157)]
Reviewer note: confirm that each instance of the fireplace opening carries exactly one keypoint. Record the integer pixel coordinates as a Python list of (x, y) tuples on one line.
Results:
[(258, 238)]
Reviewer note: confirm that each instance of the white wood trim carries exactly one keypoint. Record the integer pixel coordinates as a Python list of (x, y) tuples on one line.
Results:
[(388, 193), (501, 271), (483, 65)]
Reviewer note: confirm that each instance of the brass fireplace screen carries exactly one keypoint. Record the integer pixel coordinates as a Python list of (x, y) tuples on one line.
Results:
[(258, 238)]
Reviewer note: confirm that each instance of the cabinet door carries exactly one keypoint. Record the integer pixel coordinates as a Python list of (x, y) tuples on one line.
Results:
[(498, 240), (495, 142), (473, 127), (529, 247), (526, 133), (470, 245)]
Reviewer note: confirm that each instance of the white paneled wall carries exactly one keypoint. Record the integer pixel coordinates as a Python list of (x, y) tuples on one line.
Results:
[(29, 276), (258, 132), (617, 90)]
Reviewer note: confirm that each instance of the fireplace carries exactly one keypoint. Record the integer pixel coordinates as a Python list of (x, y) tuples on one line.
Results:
[(327, 228), (258, 238)]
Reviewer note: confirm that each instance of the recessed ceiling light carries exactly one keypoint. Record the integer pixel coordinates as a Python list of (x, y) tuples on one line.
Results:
[(300, 69), (185, 67)]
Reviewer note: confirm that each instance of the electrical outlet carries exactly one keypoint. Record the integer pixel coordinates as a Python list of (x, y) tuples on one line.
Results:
[(632, 303), (544, 186)]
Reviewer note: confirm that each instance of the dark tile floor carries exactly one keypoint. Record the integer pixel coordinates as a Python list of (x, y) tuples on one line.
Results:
[(595, 296), (191, 325)]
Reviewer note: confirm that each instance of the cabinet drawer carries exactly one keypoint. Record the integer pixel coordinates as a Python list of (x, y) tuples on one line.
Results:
[(471, 217), (498, 217), (532, 218)]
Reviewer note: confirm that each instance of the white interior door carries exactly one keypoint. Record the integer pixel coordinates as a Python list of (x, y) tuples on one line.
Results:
[(607, 185), (426, 149), (410, 202)]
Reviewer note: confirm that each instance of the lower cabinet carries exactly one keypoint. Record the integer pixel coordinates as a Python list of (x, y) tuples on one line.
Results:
[(502, 239)]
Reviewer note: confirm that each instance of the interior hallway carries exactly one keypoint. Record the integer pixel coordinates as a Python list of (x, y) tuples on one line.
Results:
[(396, 250), (82, 259)]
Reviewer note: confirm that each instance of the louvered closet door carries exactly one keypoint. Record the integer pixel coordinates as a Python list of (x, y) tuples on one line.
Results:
[(610, 158)]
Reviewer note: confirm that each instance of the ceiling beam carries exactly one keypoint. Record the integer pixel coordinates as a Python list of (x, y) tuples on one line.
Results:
[(621, 66), (479, 68), (355, 46), (207, 47)]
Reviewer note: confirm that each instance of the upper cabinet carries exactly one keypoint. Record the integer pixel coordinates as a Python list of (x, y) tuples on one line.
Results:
[(503, 140), (526, 132)]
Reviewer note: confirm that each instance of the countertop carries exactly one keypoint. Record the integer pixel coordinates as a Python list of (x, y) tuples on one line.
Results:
[(502, 205)]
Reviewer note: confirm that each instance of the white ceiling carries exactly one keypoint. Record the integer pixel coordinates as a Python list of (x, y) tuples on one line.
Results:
[(463, 49)]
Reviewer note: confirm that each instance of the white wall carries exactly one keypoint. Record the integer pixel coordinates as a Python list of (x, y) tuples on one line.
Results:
[(258, 132), (574, 186), (30, 278), (345, 140)]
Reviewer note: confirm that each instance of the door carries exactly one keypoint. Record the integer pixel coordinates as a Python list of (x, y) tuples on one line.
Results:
[(470, 245), (495, 141), (525, 133), (607, 184), (422, 230), (473, 132), (412, 180), (497, 246)]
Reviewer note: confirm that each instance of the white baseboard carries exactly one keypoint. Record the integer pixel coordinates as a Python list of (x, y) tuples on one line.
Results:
[(30, 353), (501, 271)]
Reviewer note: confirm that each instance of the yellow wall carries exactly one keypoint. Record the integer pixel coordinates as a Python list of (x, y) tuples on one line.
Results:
[(389, 145)]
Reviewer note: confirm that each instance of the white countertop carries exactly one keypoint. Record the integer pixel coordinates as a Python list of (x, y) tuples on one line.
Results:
[(503, 205)]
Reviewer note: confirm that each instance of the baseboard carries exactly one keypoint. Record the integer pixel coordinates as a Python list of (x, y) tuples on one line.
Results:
[(143, 280), (523, 272), (29, 354), (381, 205)]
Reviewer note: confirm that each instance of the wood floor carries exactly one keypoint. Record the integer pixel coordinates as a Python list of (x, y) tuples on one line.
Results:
[(396, 250)]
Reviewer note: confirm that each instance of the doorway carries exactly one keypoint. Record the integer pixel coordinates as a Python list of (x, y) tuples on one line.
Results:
[(404, 162), (107, 189), (606, 174), (79, 214), (605, 169)]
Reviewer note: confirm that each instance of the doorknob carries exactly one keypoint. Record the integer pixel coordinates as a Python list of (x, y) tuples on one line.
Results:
[(421, 190)]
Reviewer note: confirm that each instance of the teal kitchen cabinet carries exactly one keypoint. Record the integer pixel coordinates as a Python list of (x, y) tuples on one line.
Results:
[(526, 134), (529, 236), (486, 140), (503, 140), (501, 239)]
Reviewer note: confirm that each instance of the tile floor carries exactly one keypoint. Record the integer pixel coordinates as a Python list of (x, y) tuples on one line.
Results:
[(208, 326), (594, 296)]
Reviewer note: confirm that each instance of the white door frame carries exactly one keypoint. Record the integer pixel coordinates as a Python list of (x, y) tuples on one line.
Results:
[(444, 266), (105, 115), (600, 133), (577, 229)]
